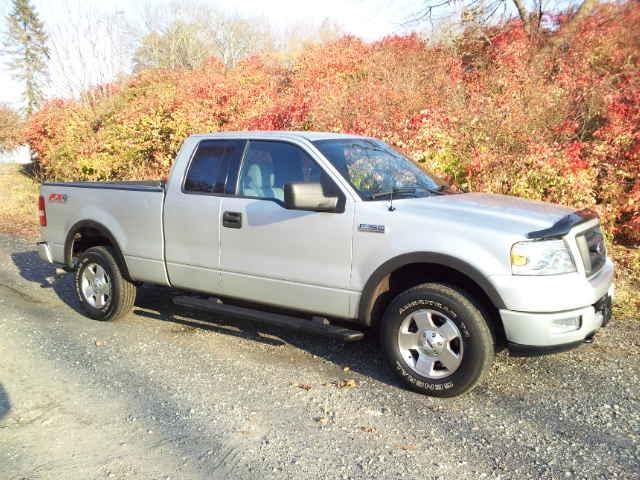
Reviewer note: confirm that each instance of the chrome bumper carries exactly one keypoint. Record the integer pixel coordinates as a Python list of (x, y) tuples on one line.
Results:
[(557, 328), (44, 252)]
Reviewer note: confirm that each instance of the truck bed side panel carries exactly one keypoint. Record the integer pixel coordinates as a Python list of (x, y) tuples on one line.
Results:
[(132, 215)]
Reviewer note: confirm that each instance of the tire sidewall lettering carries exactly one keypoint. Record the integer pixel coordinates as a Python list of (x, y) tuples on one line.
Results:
[(421, 384), (460, 308), (422, 303)]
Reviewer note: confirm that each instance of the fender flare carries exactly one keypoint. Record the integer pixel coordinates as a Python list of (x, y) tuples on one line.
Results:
[(104, 231), (464, 268)]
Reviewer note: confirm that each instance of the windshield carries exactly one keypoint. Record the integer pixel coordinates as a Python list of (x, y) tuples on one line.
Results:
[(376, 171)]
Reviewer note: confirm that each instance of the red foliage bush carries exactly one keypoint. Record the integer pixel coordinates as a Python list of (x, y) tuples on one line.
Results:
[(555, 117)]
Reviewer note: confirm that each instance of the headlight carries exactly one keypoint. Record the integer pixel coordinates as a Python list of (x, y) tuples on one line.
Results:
[(544, 257)]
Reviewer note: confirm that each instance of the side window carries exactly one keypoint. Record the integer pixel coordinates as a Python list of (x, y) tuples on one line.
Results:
[(214, 166), (269, 165)]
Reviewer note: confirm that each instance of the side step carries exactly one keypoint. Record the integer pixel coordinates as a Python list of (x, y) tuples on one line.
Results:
[(317, 326)]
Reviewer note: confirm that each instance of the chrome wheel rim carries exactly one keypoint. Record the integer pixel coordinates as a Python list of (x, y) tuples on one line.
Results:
[(96, 286), (430, 343)]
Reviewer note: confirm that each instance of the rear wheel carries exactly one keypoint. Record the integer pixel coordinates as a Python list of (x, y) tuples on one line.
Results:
[(103, 293), (437, 340)]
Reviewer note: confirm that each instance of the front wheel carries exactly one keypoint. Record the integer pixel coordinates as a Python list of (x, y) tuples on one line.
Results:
[(437, 340), (103, 293)]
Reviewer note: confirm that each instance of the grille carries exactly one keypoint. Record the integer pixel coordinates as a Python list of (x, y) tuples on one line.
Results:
[(592, 250)]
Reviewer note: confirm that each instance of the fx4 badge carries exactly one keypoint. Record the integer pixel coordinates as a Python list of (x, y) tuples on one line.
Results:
[(365, 227), (58, 197)]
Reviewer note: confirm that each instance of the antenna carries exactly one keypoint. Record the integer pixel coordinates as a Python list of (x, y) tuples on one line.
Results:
[(391, 207)]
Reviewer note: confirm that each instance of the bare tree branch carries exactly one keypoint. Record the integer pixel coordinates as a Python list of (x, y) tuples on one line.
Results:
[(426, 13), (523, 14), (186, 35), (530, 12), (88, 50)]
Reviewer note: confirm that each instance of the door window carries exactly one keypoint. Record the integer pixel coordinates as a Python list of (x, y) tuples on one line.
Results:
[(214, 167), (269, 165)]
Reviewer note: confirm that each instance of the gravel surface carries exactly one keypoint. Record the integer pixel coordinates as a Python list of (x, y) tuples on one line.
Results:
[(169, 393)]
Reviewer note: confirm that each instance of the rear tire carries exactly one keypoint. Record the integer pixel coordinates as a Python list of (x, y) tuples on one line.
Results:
[(103, 293), (437, 340)]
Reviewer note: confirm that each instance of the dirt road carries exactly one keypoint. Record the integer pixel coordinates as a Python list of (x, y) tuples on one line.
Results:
[(168, 393)]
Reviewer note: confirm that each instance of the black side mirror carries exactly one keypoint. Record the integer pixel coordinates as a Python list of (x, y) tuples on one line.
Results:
[(308, 196)]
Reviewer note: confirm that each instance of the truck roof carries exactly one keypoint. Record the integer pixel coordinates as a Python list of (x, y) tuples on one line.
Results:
[(308, 135)]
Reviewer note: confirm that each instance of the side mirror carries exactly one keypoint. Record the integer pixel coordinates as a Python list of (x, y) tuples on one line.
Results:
[(308, 196)]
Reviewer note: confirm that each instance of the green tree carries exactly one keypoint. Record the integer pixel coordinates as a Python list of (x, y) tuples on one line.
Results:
[(26, 43)]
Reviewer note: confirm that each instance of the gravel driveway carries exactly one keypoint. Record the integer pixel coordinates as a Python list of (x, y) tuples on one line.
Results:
[(168, 393)]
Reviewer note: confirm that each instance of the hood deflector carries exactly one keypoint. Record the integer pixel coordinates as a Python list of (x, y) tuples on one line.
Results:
[(562, 226)]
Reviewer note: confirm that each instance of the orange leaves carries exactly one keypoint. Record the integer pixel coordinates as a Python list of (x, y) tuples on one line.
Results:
[(555, 117), (574, 158)]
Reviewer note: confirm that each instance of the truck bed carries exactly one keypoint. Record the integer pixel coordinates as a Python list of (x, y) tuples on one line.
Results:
[(130, 211)]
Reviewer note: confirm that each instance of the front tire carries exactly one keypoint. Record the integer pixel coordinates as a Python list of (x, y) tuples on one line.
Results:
[(437, 340), (103, 293)]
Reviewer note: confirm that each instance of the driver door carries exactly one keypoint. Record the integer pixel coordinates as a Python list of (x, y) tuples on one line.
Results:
[(293, 258)]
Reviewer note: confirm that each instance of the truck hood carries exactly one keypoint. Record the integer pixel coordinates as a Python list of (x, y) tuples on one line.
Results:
[(488, 211)]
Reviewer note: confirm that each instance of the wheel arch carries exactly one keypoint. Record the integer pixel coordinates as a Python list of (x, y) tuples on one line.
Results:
[(379, 283), (89, 233)]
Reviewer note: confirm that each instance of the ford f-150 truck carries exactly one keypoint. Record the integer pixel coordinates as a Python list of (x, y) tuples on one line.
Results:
[(335, 234)]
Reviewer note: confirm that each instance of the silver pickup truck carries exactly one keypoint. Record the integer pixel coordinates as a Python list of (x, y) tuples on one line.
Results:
[(335, 234)]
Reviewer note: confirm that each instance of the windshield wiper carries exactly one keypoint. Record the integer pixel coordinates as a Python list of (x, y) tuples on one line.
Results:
[(395, 191)]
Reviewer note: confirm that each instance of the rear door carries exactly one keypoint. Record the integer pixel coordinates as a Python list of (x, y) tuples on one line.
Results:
[(293, 258), (192, 214)]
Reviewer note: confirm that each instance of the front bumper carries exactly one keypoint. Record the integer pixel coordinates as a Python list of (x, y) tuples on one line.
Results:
[(44, 252), (553, 293), (558, 329)]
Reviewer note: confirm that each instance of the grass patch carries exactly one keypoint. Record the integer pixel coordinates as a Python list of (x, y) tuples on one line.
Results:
[(18, 202), (627, 296)]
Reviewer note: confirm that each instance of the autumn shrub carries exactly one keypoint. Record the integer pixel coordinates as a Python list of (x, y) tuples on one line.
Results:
[(11, 128), (553, 117)]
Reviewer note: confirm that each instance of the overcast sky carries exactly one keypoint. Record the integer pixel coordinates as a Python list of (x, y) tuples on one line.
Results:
[(369, 19)]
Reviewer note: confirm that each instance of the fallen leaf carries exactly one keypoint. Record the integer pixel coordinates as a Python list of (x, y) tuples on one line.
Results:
[(350, 383), (409, 446), (303, 386), (368, 429)]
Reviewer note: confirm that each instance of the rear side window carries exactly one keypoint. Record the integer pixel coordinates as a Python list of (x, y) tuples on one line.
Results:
[(214, 167)]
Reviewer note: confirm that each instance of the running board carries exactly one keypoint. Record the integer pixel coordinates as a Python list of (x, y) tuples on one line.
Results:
[(317, 325)]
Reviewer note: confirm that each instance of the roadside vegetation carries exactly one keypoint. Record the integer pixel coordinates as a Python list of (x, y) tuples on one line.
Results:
[(552, 116), (18, 201), (627, 295)]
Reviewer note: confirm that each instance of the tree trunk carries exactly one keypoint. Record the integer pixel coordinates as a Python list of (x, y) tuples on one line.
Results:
[(523, 14)]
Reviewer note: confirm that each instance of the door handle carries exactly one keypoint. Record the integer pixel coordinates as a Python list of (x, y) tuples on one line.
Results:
[(232, 219)]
